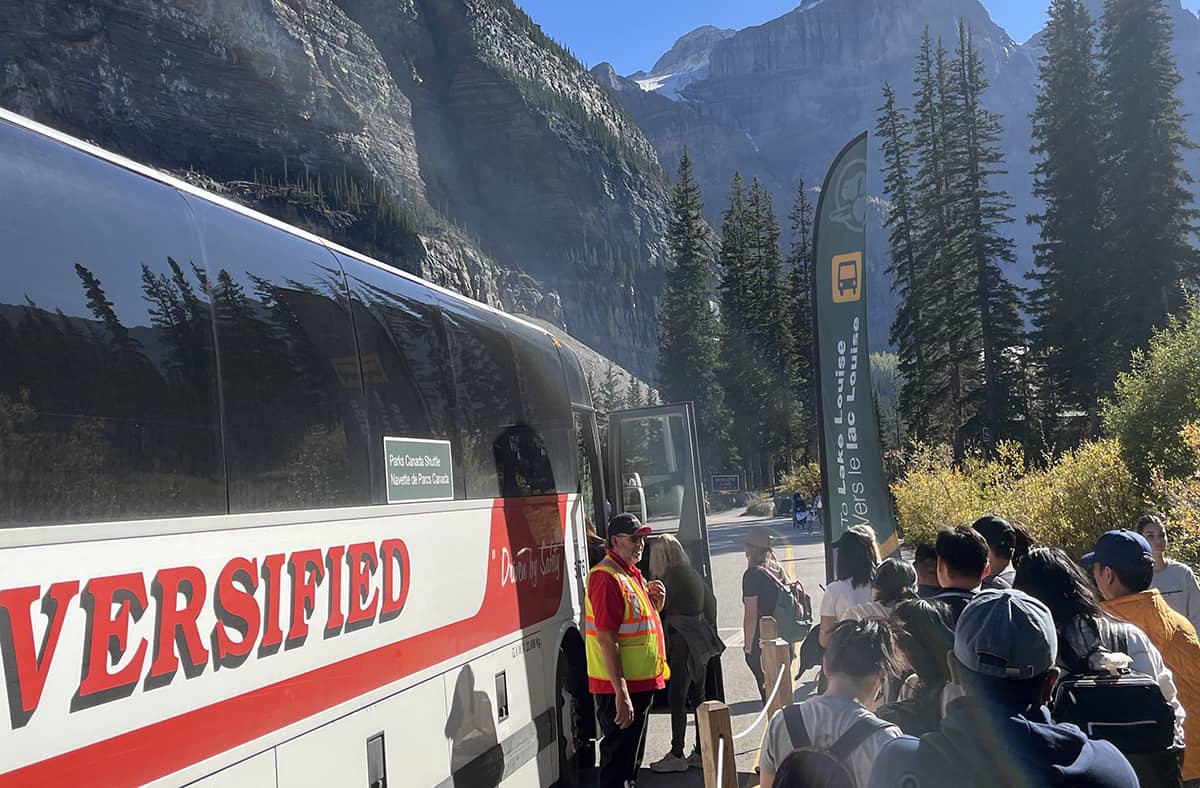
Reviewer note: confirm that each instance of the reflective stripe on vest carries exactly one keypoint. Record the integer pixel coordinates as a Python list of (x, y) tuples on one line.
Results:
[(640, 636)]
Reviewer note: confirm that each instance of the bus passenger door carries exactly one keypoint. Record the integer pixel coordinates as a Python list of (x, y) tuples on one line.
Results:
[(654, 472)]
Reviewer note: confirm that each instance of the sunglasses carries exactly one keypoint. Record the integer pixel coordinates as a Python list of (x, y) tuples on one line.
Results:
[(635, 538)]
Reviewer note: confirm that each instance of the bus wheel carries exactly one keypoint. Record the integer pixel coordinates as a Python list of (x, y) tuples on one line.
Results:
[(572, 709)]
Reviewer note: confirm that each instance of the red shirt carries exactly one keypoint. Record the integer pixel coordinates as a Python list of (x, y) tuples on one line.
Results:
[(608, 608)]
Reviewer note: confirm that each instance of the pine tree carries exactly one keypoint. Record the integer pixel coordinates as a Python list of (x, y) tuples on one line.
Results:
[(634, 394), (770, 329), (800, 293), (687, 326), (1151, 209), (742, 373), (980, 248), (948, 352), (608, 400), (1072, 268), (910, 275)]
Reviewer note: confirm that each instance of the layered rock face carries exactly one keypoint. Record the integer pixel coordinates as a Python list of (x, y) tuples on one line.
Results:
[(531, 187), (779, 100)]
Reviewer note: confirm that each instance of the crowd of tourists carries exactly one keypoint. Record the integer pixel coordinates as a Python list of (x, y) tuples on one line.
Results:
[(992, 661), (986, 661)]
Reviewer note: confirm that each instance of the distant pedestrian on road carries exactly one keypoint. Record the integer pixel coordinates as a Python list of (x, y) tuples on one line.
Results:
[(818, 505), (626, 650), (690, 617), (1175, 581), (761, 582)]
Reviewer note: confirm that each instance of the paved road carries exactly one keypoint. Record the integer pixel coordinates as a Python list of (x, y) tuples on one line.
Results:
[(803, 555)]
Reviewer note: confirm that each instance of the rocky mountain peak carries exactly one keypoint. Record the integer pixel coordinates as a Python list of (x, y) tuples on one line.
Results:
[(685, 62)]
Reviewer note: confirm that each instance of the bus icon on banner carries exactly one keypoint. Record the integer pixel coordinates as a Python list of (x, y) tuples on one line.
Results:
[(847, 278)]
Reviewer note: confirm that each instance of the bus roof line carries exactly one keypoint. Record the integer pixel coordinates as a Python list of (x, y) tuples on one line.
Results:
[(166, 179)]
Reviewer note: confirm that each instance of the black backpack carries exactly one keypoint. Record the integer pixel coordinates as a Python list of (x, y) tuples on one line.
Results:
[(1129, 711), (844, 747)]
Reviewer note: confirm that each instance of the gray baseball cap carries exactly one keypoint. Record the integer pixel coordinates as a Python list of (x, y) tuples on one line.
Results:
[(1006, 634)]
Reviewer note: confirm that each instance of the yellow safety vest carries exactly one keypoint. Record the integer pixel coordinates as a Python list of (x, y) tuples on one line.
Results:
[(640, 636)]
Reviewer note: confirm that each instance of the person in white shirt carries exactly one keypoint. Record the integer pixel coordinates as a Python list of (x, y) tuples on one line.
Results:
[(840, 721), (858, 555), (1175, 581)]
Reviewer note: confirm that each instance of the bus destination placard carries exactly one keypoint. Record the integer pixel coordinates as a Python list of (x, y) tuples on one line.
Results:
[(418, 470)]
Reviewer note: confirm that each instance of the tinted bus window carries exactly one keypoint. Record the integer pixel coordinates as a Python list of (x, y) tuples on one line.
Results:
[(547, 411), (108, 403), (295, 423), (406, 366), (487, 399)]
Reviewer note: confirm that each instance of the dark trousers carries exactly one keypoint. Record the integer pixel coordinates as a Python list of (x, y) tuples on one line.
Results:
[(621, 749), (754, 662), (684, 688)]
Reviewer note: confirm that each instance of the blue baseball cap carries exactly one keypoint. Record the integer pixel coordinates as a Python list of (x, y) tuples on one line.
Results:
[(1006, 634), (1120, 549)]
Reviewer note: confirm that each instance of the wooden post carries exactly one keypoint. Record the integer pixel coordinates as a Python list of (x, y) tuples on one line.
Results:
[(715, 725), (776, 655)]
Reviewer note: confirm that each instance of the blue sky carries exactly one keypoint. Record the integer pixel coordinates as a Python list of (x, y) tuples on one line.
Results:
[(631, 34)]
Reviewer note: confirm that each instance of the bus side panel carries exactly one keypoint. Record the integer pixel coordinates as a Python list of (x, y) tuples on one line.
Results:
[(414, 744), (256, 772)]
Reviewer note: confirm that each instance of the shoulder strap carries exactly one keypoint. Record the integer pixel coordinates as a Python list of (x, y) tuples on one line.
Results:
[(858, 733), (795, 726), (777, 580), (939, 743), (1122, 631)]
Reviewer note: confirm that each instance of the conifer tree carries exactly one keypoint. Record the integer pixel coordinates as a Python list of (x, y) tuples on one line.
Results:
[(608, 400), (1151, 210), (910, 275), (800, 293), (687, 326), (947, 348), (742, 373), (1072, 272), (979, 248), (634, 394)]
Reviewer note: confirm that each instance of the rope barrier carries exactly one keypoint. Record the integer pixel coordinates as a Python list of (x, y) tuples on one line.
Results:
[(770, 700), (721, 762)]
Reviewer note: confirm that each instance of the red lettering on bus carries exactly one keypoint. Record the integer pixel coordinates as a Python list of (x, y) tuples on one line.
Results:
[(237, 611), (307, 570), (110, 635), (178, 625), (394, 555), (17, 645), (333, 563), (272, 573), (361, 555)]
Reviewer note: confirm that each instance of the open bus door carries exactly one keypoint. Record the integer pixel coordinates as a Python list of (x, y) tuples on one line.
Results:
[(654, 472)]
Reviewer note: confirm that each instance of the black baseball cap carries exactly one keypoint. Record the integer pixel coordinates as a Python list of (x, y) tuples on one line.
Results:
[(629, 525)]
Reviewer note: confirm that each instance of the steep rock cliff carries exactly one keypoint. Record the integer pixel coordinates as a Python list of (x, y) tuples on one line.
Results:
[(526, 184)]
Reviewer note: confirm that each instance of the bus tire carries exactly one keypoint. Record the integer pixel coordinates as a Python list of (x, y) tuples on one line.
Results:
[(572, 713)]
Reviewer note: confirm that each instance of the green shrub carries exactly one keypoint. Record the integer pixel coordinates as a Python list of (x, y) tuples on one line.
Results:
[(1068, 504), (805, 479), (759, 504), (1157, 399), (1180, 500)]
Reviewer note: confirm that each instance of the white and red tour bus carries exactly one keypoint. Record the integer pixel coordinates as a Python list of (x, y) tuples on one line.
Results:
[(275, 514)]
